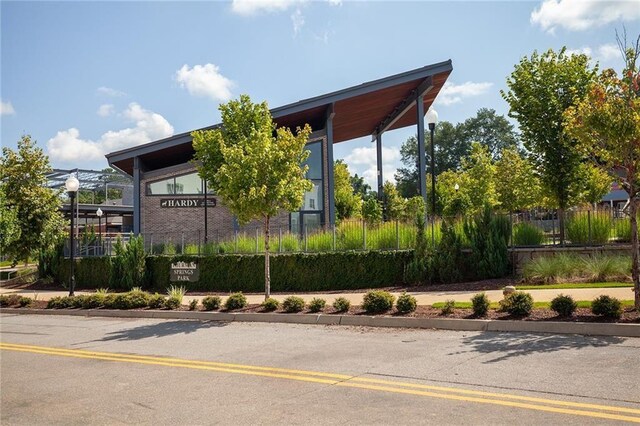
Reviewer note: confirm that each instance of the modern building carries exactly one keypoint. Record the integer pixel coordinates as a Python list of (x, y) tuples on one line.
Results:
[(169, 198)]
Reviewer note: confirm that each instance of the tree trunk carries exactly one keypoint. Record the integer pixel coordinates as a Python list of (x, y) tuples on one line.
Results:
[(561, 225), (635, 266), (267, 272)]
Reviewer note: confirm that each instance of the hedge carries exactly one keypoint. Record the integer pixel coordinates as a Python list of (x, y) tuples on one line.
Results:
[(236, 272)]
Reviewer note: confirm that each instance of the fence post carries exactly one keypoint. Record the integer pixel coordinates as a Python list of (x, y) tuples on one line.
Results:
[(199, 251), (589, 225), (511, 229), (306, 231), (553, 227), (235, 241), (364, 234), (257, 248), (397, 235), (333, 231), (280, 239)]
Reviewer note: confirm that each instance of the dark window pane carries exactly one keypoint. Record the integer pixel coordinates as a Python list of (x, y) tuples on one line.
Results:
[(311, 222), (314, 161), (295, 223)]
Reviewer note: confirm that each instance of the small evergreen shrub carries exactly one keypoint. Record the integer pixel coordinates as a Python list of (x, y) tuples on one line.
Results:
[(235, 301), (488, 236), (341, 304), (9, 300), (526, 234), (118, 301), (606, 306), (518, 303), (193, 305), (137, 299), (480, 304), (156, 301), (406, 303), (60, 302), (211, 303), (317, 304), (93, 301), (449, 306), (563, 305), (377, 301), (270, 305), (448, 255), (172, 303), (293, 304), (25, 302)]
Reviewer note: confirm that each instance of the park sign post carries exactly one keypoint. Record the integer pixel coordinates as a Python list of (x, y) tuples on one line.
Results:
[(184, 271)]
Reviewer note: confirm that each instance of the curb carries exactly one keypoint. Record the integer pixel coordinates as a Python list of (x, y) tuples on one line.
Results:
[(584, 328)]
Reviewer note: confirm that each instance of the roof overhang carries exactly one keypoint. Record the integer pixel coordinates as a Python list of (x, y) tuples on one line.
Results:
[(374, 107)]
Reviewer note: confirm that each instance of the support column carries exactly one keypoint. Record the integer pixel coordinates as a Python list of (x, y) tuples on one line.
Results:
[(137, 176), (379, 161), (330, 180), (422, 173)]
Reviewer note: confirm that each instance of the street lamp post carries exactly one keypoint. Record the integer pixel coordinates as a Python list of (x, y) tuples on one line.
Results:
[(99, 214), (432, 119), (72, 186)]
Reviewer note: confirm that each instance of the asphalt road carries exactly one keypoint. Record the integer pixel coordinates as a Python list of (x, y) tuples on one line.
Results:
[(71, 370)]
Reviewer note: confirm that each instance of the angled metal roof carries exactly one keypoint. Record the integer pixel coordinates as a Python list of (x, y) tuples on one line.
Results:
[(359, 111)]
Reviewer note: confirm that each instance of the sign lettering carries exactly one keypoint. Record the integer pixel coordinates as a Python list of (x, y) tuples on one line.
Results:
[(186, 202), (184, 271)]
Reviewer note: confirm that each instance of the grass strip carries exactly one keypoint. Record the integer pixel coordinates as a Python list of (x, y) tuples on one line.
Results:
[(539, 305), (566, 286)]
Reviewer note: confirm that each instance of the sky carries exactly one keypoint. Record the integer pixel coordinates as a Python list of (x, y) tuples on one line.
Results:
[(88, 78)]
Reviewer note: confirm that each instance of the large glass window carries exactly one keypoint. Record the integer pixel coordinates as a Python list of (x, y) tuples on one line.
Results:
[(189, 184), (315, 160), (313, 199)]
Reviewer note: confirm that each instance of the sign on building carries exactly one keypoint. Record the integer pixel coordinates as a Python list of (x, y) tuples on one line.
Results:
[(186, 202), (184, 271)]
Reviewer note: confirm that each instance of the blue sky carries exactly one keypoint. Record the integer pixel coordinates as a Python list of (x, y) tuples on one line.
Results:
[(86, 78)]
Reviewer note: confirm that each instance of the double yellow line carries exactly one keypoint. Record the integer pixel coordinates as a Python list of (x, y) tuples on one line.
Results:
[(342, 380)]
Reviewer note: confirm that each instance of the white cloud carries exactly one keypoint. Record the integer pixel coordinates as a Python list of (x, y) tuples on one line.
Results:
[(452, 93), (610, 51), (582, 51), (108, 91), (297, 18), (580, 15), (335, 2), (6, 108), (364, 161), (105, 110), (205, 80), (251, 7), (67, 146)]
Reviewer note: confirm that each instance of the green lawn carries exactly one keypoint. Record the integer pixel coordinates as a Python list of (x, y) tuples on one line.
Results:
[(565, 286), (495, 305)]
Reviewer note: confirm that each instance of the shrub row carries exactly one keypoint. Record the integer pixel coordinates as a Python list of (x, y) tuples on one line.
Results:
[(298, 272), (134, 299)]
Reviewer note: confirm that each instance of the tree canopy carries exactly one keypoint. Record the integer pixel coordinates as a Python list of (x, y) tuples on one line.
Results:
[(347, 202)]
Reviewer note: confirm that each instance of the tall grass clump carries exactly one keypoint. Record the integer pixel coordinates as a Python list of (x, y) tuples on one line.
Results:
[(622, 230), (578, 228), (526, 234), (320, 241), (407, 235), (177, 292), (290, 242), (551, 269), (383, 236), (350, 236), (606, 267)]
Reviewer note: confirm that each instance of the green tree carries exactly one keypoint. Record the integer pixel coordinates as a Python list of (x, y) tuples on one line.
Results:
[(480, 185), (593, 183), (36, 207), (348, 204), (607, 125), (372, 211), (493, 131), (393, 202), (541, 89), (255, 167), (517, 184), (9, 225), (360, 186), (453, 202)]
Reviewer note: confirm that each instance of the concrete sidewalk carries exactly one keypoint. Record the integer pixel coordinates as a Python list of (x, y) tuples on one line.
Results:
[(424, 298)]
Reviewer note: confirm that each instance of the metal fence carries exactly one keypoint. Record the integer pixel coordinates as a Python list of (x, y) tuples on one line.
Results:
[(530, 229)]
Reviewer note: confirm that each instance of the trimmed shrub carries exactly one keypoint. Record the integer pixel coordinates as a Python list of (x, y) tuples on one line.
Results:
[(563, 305), (606, 306), (9, 300), (293, 304), (518, 303), (526, 234), (270, 305), (172, 303), (156, 301), (317, 304), (341, 304), (377, 301), (93, 301), (25, 302), (235, 301), (211, 303), (193, 305), (60, 302), (117, 301), (449, 306), (406, 303), (137, 299), (480, 304)]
